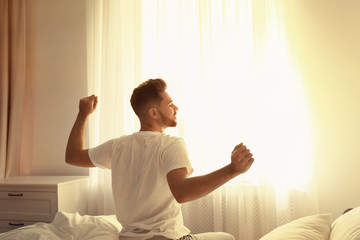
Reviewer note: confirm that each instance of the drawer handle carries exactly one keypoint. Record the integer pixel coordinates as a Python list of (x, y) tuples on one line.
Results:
[(15, 194), (16, 224)]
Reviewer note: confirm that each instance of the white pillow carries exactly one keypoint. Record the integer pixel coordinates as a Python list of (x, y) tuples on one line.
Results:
[(347, 226), (310, 227)]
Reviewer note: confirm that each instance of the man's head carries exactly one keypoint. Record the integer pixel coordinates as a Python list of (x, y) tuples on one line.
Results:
[(147, 95), (152, 104)]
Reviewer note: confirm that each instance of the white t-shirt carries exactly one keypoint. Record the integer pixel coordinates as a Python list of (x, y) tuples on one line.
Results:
[(144, 204)]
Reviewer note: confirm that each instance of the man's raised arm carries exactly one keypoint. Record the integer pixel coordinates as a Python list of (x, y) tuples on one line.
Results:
[(76, 154), (187, 189)]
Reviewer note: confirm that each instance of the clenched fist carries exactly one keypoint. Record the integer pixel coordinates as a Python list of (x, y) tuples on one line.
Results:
[(241, 159), (88, 105)]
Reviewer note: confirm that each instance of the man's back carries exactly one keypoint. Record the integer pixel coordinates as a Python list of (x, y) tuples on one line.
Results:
[(139, 164)]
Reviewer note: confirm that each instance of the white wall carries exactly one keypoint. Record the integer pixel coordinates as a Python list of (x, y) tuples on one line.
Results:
[(56, 58), (325, 36)]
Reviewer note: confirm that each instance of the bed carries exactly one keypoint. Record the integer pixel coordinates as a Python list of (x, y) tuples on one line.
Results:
[(68, 226)]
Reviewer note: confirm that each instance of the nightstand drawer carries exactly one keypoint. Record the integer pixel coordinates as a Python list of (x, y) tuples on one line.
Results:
[(30, 206), (10, 225)]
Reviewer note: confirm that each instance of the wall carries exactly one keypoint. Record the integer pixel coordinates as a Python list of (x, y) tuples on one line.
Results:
[(325, 37), (56, 58)]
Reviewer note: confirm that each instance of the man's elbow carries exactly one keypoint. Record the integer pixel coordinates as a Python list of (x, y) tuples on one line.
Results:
[(178, 183), (80, 159), (181, 197), (69, 156), (181, 200), (69, 160)]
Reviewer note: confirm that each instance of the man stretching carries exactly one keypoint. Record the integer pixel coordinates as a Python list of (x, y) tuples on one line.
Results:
[(150, 169)]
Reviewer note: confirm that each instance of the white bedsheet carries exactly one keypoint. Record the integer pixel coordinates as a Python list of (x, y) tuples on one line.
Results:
[(69, 226)]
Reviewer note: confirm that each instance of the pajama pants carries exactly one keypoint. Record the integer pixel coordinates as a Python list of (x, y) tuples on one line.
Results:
[(201, 236)]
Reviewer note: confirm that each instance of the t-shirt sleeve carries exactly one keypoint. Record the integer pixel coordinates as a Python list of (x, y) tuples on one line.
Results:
[(100, 156), (176, 156)]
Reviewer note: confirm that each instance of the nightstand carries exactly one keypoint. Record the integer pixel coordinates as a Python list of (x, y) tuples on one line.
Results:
[(28, 199)]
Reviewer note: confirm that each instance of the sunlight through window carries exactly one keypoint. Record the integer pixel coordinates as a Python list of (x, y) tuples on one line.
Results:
[(230, 87)]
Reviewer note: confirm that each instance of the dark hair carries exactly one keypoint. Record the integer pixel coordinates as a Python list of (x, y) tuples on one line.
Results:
[(147, 93)]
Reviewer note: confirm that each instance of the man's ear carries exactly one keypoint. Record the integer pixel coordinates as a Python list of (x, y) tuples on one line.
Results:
[(153, 113)]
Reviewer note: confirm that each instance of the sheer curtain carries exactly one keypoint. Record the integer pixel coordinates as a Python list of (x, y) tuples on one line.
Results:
[(229, 72), (12, 84), (114, 68)]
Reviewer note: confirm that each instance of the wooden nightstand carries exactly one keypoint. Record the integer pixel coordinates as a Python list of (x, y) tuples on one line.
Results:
[(29, 199)]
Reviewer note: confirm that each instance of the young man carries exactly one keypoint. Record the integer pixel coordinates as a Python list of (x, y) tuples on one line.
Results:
[(150, 170)]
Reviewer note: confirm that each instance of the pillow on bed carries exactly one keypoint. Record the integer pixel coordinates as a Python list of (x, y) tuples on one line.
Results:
[(311, 227), (347, 226)]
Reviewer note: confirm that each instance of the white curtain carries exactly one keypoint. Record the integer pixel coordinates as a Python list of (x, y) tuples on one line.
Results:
[(114, 37), (229, 72), (12, 84)]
